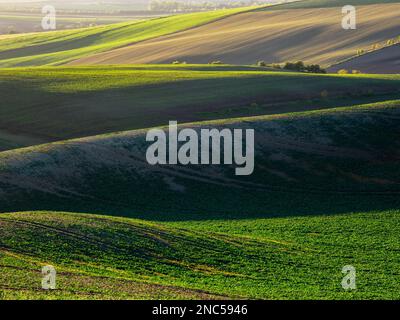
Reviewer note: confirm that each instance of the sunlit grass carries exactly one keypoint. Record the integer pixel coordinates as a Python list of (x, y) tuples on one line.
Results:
[(58, 47)]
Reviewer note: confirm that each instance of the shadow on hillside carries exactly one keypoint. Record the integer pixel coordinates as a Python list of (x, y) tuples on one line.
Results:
[(80, 40), (62, 108), (110, 175), (224, 204)]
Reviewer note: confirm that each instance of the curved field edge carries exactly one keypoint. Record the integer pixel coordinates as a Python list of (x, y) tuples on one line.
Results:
[(382, 60), (100, 257), (321, 162), (310, 35), (373, 108), (60, 47), (45, 104)]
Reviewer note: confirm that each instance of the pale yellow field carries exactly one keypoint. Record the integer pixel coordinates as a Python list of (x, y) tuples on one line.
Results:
[(311, 35)]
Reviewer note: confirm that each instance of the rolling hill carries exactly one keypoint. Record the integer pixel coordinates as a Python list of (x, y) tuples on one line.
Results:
[(317, 162), (16, 22), (99, 257), (77, 192), (60, 47), (307, 4), (306, 30), (42, 105), (385, 60), (314, 35), (324, 195)]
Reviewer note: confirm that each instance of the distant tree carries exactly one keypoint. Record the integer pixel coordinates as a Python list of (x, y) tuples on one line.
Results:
[(261, 63), (343, 71), (315, 68), (299, 66), (289, 66)]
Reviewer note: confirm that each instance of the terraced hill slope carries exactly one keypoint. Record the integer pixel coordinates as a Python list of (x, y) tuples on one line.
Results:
[(41, 105), (98, 257), (314, 35), (322, 162)]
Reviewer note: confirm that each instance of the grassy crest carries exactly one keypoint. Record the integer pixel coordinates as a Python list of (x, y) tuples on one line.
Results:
[(77, 192), (320, 162), (56, 103)]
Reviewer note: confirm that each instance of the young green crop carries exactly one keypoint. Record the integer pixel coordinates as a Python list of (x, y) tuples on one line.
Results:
[(99, 257)]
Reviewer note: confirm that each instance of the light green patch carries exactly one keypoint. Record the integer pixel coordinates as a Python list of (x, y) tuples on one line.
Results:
[(99, 257)]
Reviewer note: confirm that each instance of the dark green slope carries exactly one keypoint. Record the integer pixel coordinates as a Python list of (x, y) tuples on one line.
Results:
[(321, 162), (53, 104)]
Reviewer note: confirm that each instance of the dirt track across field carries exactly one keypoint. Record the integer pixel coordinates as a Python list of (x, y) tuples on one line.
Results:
[(312, 35)]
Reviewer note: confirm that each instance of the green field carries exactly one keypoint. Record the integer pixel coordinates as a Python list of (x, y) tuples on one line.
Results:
[(77, 192), (99, 257), (324, 193), (50, 104), (60, 47)]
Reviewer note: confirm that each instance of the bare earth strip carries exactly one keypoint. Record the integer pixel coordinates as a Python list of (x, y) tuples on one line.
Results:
[(312, 35), (386, 60)]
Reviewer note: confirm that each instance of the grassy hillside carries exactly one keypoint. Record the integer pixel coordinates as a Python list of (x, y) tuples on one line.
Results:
[(318, 162), (308, 34), (31, 22), (49, 104), (306, 4), (59, 47), (311, 34), (82, 197), (99, 257)]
